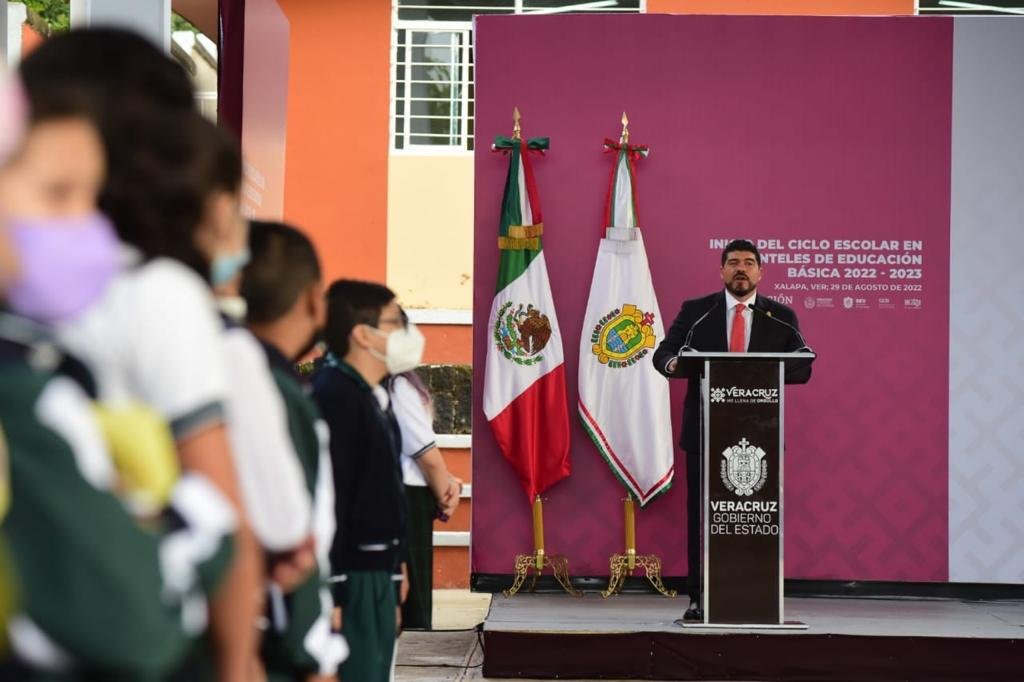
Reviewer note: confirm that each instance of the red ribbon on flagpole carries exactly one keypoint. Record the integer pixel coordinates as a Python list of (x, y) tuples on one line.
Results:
[(634, 152)]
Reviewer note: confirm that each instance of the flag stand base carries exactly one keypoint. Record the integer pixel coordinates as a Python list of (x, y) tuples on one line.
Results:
[(538, 562), (622, 565), (619, 566)]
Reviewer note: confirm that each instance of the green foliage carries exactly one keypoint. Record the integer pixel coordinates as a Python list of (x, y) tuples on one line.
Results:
[(179, 23), (56, 13)]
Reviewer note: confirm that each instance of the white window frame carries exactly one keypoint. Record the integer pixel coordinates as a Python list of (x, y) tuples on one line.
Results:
[(463, 27), (466, 82)]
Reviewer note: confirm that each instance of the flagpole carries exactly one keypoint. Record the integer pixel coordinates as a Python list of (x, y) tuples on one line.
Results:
[(630, 533), (529, 240), (623, 565), (538, 532), (540, 559)]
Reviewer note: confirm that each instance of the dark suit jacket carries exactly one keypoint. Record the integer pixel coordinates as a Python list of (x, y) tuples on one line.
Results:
[(767, 335)]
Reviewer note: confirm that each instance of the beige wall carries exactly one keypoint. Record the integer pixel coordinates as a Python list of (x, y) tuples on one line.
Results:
[(430, 230)]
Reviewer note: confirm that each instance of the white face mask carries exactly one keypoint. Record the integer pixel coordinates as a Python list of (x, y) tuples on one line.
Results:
[(404, 350)]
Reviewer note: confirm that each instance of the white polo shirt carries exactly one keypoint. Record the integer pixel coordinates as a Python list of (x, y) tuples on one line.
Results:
[(270, 474), (156, 337), (416, 424)]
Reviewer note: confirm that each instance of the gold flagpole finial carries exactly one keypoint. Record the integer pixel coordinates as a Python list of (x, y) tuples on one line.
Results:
[(624, 137), (516, 128)]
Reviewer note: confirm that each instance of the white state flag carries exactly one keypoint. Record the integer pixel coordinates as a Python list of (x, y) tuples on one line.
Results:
[(624, 401)]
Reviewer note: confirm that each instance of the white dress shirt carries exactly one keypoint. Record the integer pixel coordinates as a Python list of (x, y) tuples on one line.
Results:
[(748, 317)]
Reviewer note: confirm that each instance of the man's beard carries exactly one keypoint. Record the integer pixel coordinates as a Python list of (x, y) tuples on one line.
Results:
[(738, 292)]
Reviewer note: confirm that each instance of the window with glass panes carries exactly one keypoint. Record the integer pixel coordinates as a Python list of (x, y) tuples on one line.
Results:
[(432, 64)]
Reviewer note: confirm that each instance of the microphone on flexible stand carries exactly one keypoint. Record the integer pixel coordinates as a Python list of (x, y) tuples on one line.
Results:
[(686, 347), (768, 314)]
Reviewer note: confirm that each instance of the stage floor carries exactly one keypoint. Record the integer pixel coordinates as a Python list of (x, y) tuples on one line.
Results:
[(634, 637), (869, 617)]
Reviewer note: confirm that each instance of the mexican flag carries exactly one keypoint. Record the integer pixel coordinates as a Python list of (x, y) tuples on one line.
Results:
[(524, 380), (624, 403)]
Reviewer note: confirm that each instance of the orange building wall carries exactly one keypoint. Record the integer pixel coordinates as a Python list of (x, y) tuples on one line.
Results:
[(798, 7), (451, 568), (30, 39), (336, 174), (451, 564), (447, 344)]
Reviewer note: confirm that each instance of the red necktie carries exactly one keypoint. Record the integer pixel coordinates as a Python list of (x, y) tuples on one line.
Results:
[(738, 340)]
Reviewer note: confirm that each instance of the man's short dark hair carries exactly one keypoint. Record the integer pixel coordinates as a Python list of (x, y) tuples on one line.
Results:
[(740, 245), (351, 302), (283, 265)]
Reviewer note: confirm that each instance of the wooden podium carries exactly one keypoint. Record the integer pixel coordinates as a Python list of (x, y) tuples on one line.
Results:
[(742, 433)]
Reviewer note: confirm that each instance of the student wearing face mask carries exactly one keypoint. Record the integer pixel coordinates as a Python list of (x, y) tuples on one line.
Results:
[(67, 251), (273, 485), (100, 596), (67, 264), (284, 297), (12, 125), (367, 340), (155, 337)]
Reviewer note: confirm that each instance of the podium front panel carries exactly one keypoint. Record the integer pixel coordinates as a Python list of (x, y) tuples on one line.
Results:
[(742, 488)]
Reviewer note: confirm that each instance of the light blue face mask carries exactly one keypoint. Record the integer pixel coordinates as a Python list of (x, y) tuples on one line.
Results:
[(224, 267)]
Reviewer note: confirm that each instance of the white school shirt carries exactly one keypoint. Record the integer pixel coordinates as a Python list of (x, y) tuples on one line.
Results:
[(416, 426), (155, 337), (273, 484)]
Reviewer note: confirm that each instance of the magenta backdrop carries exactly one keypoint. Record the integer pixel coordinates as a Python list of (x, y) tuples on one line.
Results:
[(767, 127)]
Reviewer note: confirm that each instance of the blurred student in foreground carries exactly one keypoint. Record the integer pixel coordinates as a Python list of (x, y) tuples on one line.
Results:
[(155, 338), (99, 595)]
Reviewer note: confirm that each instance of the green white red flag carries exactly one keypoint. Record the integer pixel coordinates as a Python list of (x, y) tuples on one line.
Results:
[(524, 380), (623, 401)]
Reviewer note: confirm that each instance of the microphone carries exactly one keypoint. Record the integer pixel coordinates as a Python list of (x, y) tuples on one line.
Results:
[(689, 334), (768, 314)]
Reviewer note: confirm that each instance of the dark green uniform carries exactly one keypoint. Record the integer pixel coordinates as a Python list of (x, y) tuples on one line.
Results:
[(371, 513), (301, 643), (101, 598)]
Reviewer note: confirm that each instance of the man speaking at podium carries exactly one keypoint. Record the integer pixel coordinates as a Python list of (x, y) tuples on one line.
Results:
[(736, 320)]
